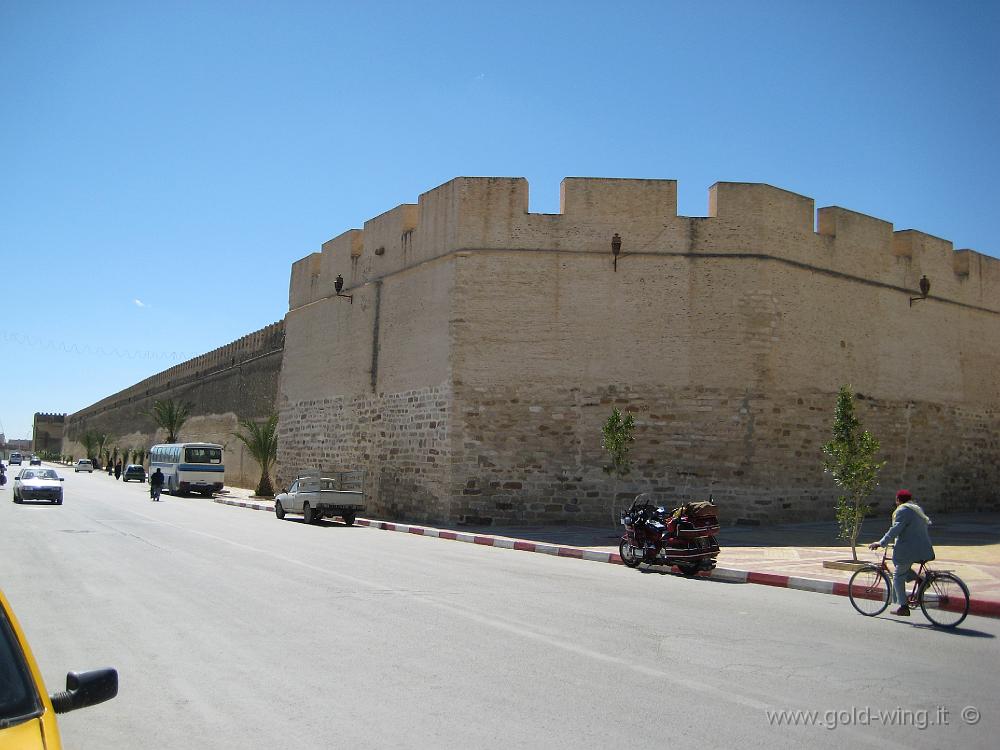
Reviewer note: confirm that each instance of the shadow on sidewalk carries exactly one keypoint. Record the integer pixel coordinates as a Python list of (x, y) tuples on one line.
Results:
[(952, 530), (956, 530)]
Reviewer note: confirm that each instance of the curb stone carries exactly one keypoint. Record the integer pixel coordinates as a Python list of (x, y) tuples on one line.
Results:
[(981, 607)]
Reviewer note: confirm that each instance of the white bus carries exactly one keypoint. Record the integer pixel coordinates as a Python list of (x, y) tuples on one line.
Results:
[(189, 467)]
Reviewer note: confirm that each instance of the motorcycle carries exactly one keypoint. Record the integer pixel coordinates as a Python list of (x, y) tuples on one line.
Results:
[(683, 537)]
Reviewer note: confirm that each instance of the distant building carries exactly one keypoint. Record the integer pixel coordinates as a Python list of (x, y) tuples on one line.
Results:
[(6, 446)]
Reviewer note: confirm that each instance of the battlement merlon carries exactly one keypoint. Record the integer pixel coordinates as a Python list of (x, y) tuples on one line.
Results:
[(491, 213)]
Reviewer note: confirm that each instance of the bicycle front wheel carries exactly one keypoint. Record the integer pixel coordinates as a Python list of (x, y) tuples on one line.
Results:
[(869, 591), (944, 599)]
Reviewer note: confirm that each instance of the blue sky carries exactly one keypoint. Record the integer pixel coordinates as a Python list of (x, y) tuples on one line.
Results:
[(162, 164)]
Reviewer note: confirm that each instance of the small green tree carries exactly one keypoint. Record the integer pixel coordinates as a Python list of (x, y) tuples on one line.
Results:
[(850, 459), (171, 416), (261, 441), (617, 441)]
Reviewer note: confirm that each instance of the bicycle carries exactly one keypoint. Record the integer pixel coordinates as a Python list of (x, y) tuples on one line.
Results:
[(941, 595)]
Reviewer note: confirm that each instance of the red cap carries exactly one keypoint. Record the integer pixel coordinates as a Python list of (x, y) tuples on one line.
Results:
[(904, 495)]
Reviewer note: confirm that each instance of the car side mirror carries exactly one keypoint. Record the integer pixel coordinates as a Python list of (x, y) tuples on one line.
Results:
[(86, 689), (62, 479)]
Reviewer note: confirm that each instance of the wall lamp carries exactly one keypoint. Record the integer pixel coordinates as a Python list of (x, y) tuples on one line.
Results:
[(925, 289), (616, 249), (338, 286)]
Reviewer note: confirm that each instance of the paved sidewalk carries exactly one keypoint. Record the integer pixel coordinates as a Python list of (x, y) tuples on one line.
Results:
[(790, 555)]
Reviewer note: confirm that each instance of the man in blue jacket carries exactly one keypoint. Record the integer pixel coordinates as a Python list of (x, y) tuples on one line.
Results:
[(913, 545)]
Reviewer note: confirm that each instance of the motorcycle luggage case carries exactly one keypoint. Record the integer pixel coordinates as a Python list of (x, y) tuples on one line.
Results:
[(700, 528)]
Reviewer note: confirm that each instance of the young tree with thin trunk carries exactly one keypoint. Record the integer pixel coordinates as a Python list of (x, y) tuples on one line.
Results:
[(850, 459), (617, 440)]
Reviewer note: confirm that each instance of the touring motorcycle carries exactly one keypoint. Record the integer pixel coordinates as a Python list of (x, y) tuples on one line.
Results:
[(684, 536)]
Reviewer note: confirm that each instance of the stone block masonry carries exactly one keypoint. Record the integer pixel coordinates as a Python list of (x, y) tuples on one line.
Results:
[(401, 441), (534, 454), (727, 336)]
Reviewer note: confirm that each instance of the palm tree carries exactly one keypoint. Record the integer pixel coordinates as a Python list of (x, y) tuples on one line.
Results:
[(261, 441), (89, 442), (171, 416)]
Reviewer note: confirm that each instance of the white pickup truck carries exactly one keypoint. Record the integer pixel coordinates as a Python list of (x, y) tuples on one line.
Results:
[(318, 497)]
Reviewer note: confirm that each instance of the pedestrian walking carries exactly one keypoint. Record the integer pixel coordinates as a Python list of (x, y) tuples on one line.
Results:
[(118, 469), (111, 467), (912, 545), (155, 485)]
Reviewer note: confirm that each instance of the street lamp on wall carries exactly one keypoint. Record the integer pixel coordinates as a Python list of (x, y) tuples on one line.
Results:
[(338, 286), (616, 249), (925, 289)]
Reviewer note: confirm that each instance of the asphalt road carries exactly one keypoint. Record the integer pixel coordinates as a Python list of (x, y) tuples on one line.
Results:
[(231, 629)]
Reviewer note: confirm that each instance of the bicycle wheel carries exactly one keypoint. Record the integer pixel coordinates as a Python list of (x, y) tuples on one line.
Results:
[(869, 591), (944, 599)]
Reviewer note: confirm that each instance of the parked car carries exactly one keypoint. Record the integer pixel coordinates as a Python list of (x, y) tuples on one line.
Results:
[(15, 459), (315, 497), (27, 711), (84, 464), (38, 484), (35, 461), (134, 471)]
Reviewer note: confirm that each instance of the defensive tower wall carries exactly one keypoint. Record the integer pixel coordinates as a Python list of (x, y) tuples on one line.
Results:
[(47, 432), (235, 381), (475, 350)]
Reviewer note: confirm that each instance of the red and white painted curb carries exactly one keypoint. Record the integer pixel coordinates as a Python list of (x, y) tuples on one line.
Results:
[(982, 607)]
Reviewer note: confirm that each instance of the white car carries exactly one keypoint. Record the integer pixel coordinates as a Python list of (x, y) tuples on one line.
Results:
[(38, 484), (318, 497), (84, 464)]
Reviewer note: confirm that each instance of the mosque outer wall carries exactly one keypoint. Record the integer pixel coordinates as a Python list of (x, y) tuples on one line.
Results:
[(483, 347)]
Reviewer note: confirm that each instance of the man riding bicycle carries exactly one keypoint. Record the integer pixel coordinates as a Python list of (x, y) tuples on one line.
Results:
[(913, 544), (155, 484)]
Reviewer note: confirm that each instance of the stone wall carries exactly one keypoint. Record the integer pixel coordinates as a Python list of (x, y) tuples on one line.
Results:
[(400, 440), (535, 455), (728, 337), (233, 382), (47, 433)]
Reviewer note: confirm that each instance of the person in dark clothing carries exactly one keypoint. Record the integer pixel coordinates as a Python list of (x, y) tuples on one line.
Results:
[(155, 485), (118, 469)]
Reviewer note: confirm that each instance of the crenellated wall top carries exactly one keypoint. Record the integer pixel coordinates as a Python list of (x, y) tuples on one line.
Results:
[(491, 213), (264, 341)]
